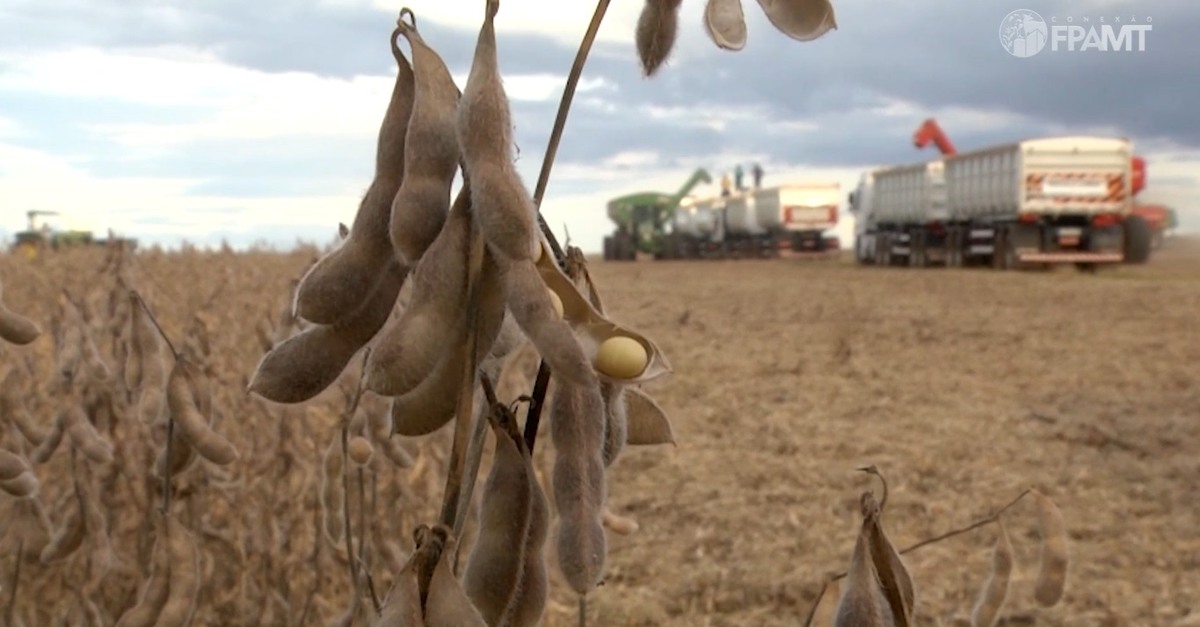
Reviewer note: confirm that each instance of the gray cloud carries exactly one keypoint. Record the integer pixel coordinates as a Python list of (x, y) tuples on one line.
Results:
[(936, 54)]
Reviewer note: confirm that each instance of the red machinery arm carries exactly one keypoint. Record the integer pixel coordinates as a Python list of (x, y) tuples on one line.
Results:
[(929, 131)]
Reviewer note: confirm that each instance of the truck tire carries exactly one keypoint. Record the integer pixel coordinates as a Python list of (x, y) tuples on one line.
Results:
[(608, 255), (1137, 239), (953, 249)]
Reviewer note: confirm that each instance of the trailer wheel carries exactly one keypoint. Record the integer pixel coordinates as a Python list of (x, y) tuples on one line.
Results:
[(1137, 239), (916, 251), (953, 249)]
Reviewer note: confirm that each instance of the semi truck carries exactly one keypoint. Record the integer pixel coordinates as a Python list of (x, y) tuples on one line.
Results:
[(1025, 204), (1159, 219), (760, 222)]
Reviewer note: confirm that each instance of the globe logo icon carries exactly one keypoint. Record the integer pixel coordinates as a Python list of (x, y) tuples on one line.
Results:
[(1023, 33)]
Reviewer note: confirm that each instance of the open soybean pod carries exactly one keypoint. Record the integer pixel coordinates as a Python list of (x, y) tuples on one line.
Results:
[(725, 24), (647, 422), (802, 20), (617, 353), (894, 579), (340, 283), (862, 603)]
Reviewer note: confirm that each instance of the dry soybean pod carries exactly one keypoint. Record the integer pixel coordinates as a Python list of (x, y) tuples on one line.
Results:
[(210, 444), (577, 430), (493, 574), (67, 538), (182, 455), (42, 453), (306, 364), (23, 485), (432, 403), (862, 603), (143, 343), (15, 328), (410, 345), (338, 284), (431, 153), (995, 591), (85, 437), (1052, 568), (184, 594), (501, 203), (154, 592), (657, 28), (403, 607), (24, 423), (332, 493), (447, 604), (11, 465)]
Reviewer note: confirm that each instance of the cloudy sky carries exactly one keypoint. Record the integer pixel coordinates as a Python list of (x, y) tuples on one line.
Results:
[(249, 121)]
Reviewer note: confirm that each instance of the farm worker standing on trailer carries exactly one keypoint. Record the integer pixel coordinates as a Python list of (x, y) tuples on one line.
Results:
[(738, 175), (758, 172), (725, 184)]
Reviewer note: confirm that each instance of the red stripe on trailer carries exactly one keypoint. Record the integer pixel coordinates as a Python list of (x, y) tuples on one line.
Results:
[(1071, 257)]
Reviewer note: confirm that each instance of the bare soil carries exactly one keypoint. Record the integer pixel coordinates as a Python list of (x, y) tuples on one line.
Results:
[(964, 388)]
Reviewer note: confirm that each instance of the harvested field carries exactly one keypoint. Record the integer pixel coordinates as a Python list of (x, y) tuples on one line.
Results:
[(963, 387)]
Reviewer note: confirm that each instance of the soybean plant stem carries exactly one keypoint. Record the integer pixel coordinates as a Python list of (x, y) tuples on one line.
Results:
[(348, 534), (16, 582), (534, 414), (464, 412), (971, 527), (154, 321)]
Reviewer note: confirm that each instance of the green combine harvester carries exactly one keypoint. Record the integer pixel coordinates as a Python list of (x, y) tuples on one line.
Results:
[(644, 221), (35, 239)]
